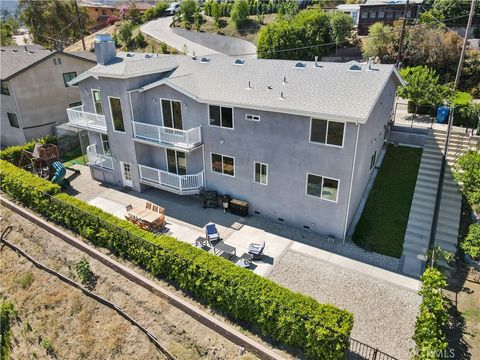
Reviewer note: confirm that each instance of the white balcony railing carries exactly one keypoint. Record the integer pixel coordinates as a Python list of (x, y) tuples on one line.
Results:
[(178, 182), (103, 161), (160, 134), (85, 120)]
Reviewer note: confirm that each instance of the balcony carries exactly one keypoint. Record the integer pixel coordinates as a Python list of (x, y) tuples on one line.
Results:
[(101, 161), (183, 139), (85, 120), (179, 184)]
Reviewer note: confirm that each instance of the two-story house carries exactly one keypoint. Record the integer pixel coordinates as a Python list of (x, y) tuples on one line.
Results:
[(297, 140), (35, 90), (386, 12)]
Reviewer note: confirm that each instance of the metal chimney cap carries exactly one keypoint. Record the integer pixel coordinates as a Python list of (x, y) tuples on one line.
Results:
[(103, 38)]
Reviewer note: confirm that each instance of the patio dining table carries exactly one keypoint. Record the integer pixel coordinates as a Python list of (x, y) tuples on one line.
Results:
[(151, 218)]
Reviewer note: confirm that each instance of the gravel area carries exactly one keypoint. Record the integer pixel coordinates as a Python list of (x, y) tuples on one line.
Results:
[(347, 249), (384, 314)]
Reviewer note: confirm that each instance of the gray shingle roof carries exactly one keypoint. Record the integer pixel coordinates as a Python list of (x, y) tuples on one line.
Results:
[(322, 89), (14, 59)]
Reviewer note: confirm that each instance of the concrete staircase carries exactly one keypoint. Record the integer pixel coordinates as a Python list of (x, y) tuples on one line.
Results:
[(419, 224)]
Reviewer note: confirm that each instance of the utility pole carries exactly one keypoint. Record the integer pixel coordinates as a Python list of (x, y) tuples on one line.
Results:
[(402, 34), (79, 23), (465, 40)]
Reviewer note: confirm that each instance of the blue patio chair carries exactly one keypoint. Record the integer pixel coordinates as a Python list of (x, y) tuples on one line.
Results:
[(211, 232)]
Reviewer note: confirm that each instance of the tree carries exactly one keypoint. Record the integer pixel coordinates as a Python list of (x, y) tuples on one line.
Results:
[(467, 172), (342, 25), (456, 10), (8, 27), (216, 13), (380, 43), (431, 17), (305, 34), (139, 40), (433, 46), (52, 23), (187, 10), (125, 33), (423, 87), (239, 13), (470, 80)]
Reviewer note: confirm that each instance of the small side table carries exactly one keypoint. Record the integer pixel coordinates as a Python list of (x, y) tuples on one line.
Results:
[(245, 260)]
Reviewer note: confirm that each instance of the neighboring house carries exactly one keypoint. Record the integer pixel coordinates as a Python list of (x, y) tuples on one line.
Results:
[(98, 14), (385, 11), (297, 140), (34, 90), (350, 9)]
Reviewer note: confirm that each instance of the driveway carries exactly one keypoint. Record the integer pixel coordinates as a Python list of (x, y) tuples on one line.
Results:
[(199, 42)]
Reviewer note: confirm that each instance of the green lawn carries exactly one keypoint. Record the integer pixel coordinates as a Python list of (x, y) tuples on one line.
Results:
[(73, 157), (384, 220)]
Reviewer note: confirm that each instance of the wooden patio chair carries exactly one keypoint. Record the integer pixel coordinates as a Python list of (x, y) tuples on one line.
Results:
[(155, 208), (129, 207), (148, 205)]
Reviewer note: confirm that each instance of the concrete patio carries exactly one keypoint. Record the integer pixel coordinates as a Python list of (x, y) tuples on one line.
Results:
[(384, 302)]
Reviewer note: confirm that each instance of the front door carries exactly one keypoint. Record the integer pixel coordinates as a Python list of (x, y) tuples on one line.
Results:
[(172, 114), (126, 174), (176, 161)]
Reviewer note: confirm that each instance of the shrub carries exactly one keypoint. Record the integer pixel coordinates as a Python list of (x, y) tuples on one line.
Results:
[(239, 13), (25, 280), (467, 172), (47, 345), (471, 244), (321, 330), (139, 40), (7, 313), (155, 11), (125, 33), (84, 273), (112, 19), (429, 336)]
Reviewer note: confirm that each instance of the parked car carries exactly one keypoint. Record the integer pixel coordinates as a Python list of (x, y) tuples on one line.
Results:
[(173, 8)]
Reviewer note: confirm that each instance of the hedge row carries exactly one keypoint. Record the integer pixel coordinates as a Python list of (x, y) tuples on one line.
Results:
[(321, 331), (430, 337)]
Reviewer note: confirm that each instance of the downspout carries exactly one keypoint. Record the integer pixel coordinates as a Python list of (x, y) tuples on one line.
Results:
[(204, 171), (22, 125), (351, 183)]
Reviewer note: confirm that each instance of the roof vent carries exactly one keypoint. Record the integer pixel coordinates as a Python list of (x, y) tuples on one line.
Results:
[(281, 96), (249, 86), (239, 61), (130, 55), (269, 87), (205, 60), (355, 68), (148, 56), (284, 80), (4, 49), (15, 50), (300, 65)]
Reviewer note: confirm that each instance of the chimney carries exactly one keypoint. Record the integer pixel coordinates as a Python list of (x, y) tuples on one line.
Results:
[(370, 63), (316, 61), (104, 48)]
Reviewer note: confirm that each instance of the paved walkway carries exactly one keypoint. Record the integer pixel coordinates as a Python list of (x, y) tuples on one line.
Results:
[(160, 30)]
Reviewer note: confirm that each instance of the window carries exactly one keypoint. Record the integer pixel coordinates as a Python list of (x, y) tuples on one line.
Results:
[(373, 160), (373, 14), (221, 116), (117, 116), (381, 14), (5, 90), (223, 164), (364, 15), (75, 104), (97, 102), (409, 14), (57, 61), (261, 173), (68, 76), (13, 120), (397, 15), (252, 117), (105, 144), (389, 15), (322, 187), (177, 163), (327, 132), (172, 114)]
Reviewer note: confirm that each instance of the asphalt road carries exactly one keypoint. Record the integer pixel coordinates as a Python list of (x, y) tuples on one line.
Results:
[(201, 43)]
